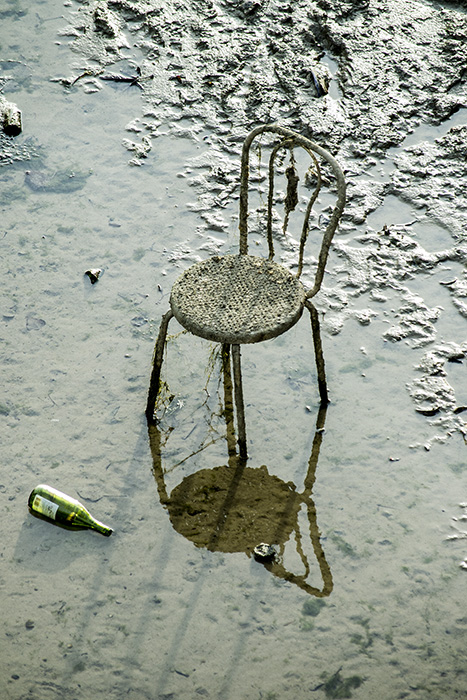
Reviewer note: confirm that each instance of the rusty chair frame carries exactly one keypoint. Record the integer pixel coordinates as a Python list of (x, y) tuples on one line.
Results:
[(205, 298)]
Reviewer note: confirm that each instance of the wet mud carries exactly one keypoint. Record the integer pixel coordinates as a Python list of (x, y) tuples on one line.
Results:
[(217, 69), (133, 118)]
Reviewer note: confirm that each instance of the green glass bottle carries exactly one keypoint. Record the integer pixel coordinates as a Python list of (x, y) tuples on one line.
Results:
[(57, 506)]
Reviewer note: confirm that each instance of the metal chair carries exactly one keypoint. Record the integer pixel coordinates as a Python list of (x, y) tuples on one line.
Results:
[(236, 299)]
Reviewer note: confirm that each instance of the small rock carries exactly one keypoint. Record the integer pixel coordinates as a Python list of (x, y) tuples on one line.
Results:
[(264, 552), (93, 274), (10, 118)]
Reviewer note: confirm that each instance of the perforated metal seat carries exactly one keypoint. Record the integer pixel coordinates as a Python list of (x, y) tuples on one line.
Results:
[(237, 299)]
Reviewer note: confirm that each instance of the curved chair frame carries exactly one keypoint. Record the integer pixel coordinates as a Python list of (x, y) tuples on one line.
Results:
[(270, 269), (290, 137)]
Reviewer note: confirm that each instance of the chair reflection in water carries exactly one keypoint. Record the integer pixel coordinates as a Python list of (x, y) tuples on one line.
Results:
[(233, 508), (238, 299)]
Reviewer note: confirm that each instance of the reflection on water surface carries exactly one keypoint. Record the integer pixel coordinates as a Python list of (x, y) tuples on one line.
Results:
[(148, 614)]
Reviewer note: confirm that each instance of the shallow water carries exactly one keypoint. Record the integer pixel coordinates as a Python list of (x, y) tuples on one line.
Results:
[(147, 613)]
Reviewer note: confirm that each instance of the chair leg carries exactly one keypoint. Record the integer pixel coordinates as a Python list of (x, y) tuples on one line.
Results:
[(154, 384), (239, 405), (229, 413), (322, 385)]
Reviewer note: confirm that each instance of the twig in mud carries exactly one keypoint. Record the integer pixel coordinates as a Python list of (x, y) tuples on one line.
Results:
[(117, 77)]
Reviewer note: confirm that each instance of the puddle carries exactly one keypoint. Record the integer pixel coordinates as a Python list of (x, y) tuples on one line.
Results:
[(430, 132), (392, 211), (334, 92), (141, 182)]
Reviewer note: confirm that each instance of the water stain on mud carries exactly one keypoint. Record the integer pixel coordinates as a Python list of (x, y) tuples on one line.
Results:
[(134, 113)]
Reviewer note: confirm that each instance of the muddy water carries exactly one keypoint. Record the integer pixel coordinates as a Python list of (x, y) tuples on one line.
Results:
[(141, 182)]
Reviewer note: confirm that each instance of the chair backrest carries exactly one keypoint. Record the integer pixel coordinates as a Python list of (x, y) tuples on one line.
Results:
[(290, 140)]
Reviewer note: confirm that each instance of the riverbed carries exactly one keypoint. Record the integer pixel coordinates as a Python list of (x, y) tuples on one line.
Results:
[(133, 119)]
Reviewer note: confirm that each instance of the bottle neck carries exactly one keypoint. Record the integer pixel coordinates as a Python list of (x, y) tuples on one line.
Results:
[(86, 520), (100, 527)]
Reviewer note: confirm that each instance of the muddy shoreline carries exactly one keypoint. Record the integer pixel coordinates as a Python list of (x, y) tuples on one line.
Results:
[(134, 113)]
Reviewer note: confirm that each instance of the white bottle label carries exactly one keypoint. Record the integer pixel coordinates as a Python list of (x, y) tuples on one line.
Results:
[(45, 507)]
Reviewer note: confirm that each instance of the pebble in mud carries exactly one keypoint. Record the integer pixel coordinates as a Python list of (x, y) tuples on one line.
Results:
[(264, 552), (10, 118), (93, 274)]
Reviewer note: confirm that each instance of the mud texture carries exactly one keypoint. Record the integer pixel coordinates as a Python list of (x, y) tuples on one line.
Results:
[(138, 176), (358, 77)]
